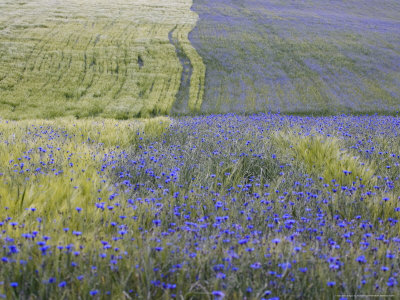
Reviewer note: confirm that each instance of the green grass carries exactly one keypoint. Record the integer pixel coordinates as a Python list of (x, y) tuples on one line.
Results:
[(91, 58), (78, 150), (74, 151), (180, 172), (84, 144), (325, 157)]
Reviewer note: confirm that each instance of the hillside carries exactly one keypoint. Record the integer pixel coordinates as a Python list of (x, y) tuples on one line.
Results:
[(216, 150)]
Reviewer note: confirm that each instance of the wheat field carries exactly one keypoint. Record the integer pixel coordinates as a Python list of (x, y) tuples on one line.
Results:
[(94, 58)]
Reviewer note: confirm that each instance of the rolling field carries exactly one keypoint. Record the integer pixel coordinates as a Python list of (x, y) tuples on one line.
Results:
[(129, 59), (95, 58), (299, 56), (227, 206), (108, 191)]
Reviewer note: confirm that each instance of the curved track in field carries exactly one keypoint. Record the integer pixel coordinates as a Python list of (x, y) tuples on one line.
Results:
[(183, 94)]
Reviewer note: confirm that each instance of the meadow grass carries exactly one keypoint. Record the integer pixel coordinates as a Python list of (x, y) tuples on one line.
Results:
[(94, 58), (199, 207), (324, 156), (250, 206), (52, 169), (64, 157)]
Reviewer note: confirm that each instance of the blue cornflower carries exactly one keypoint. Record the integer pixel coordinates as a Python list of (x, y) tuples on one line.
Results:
[(218, 267), (392, 282), (286, 265), (390, 255), (243, 241), (169, 286), (303, 270), (52, 280), (361, 259), (157, 222), (331, 283), (256, 265), (276, 241), (218, 295)]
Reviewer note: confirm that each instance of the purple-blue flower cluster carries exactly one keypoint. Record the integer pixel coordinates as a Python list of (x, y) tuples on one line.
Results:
[(214, 208)]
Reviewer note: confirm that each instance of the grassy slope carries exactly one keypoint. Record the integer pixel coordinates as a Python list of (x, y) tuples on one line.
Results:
[(88, 58), (308, 56)]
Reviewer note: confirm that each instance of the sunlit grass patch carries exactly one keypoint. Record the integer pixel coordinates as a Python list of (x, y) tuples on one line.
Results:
[(52, 167), (54, 186), (324, 157)]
